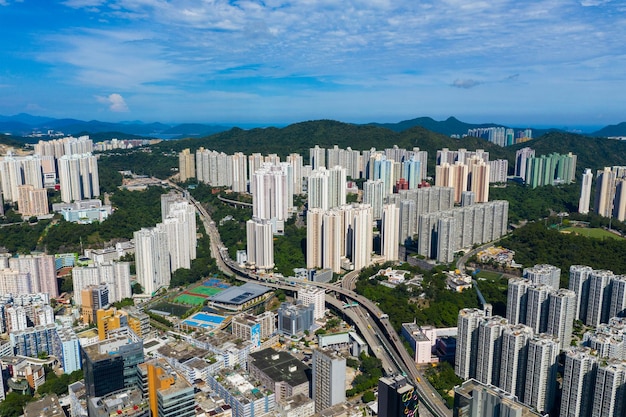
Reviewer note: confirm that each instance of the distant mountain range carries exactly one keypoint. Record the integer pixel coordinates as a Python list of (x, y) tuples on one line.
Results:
[(450, 126), (25, 124)]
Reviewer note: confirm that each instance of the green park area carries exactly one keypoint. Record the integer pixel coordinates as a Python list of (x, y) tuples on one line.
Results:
[(596, 233)]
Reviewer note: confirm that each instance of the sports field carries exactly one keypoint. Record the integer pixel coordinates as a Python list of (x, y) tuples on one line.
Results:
[(190, 299), (206, 291), (174, 309), (591, 232), (488, 275)]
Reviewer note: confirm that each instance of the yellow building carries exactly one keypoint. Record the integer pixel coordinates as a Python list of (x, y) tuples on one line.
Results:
[(112, 319), (168, 391)]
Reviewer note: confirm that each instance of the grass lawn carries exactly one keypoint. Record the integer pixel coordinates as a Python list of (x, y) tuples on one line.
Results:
[(488, 275), (595, 233), (190, 299), (206, 291)]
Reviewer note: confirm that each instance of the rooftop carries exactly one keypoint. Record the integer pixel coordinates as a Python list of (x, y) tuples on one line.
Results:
[(240, 295), (280, 366), (48, 406)]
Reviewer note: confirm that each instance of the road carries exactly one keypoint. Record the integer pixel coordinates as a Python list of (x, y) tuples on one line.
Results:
[(386, 334)]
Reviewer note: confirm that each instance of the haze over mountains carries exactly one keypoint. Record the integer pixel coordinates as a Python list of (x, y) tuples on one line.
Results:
[(25, 124)]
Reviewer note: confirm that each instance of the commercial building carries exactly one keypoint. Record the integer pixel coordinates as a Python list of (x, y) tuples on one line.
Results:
[(295, 319), (111, 365), (396, 397), (256, 329), (169, 393)]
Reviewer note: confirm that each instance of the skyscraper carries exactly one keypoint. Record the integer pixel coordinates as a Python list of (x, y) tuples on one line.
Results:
[(618, 297), (599, 297), (314, 248), (467, 342), (329, 379), (317, 157), (540, 389), (544, 274), (579, 283), (610, 390), (479, 179), (562, 315), (260, 244), (78, 177), (336, 186), (585, 192), (152, 259), (186, 165), (578, 382), (271, 196), (537, 307), (318, 186), (389, 233), (517, 300), (32, 201), (374, 194), (605, 192), (521, 158), (514, 355), (489, 349)]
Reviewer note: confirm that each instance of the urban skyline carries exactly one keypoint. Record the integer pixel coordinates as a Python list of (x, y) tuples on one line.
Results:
[(534, 63)]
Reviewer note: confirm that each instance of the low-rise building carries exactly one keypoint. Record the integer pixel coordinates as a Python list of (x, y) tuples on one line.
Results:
[(280, 372)]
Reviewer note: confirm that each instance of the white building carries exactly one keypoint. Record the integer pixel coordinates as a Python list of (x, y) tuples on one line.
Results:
[(585, 192), (316, 296), (389, 233), (467, 342), (541, 372), (260, 244), (514, 354), (78, 177), (152, 259)]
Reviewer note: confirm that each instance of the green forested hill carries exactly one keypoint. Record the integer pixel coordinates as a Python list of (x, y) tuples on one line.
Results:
[(594, 153), (300, 137)]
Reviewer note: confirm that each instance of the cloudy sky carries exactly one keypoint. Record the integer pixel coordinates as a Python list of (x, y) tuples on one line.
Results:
[(549, 62)]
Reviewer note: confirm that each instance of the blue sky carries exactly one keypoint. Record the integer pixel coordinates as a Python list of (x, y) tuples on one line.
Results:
[(551, 62)]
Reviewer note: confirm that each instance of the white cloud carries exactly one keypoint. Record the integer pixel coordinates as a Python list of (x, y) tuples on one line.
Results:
[(115, 102), (593, 3)]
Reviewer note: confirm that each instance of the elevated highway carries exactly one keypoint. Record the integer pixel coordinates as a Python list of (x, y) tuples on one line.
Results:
[(375, 324)]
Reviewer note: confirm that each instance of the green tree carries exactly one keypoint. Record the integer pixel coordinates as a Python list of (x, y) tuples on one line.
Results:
[(13, 404)]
